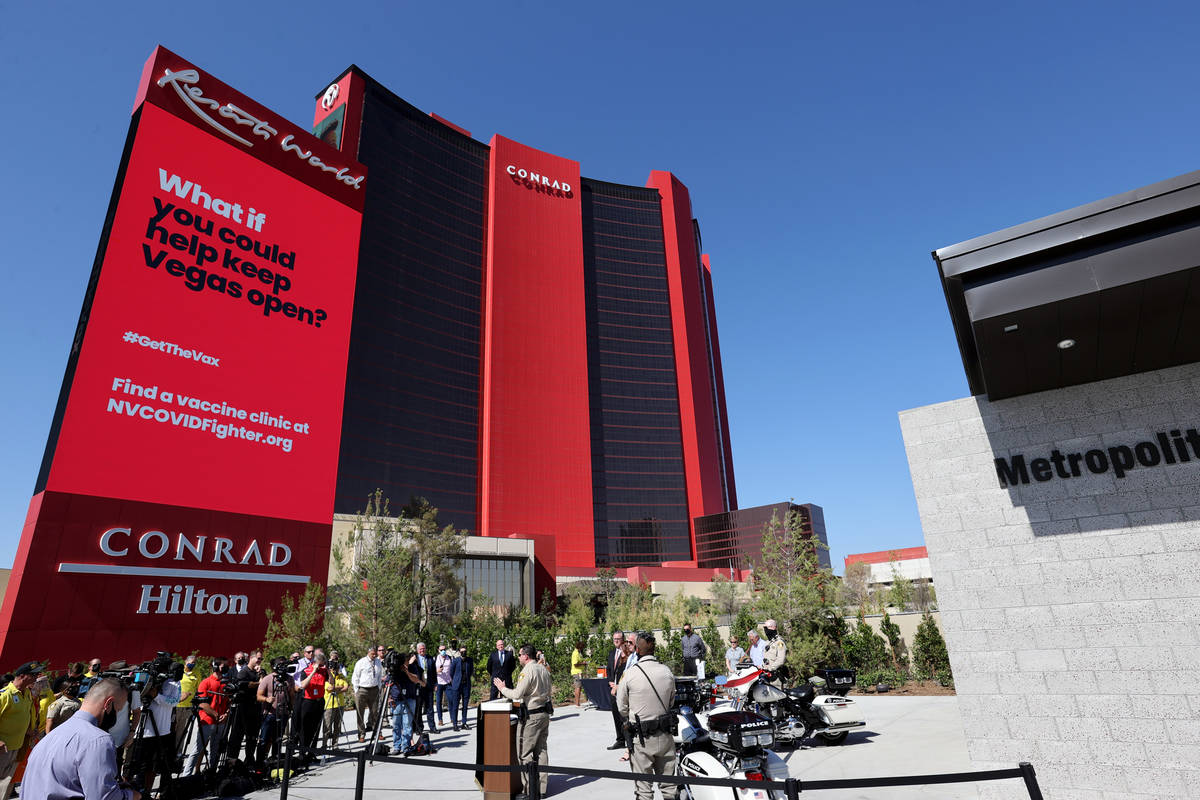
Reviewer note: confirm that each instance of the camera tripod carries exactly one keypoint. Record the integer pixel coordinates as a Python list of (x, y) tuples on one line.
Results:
[(144, 761), (272, 747), (385, 691)]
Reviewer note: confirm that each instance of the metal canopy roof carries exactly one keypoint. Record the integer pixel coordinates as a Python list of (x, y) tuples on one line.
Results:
[(1117, 277)]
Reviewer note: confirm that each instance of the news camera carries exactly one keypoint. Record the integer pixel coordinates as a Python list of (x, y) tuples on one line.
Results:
[(149, 674), (284, 669)]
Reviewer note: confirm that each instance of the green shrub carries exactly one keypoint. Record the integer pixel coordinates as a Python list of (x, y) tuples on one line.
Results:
[(930, 659)]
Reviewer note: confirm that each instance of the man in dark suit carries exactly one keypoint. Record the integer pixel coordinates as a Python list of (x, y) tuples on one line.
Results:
[(455, 686), (467, 674), (425, 698), (501, 665), (616, 666)]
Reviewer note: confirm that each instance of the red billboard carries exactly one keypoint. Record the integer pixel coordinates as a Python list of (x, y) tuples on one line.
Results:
[(189, 476)]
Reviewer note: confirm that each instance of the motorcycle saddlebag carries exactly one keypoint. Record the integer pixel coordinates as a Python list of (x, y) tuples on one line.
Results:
[(841, 712)]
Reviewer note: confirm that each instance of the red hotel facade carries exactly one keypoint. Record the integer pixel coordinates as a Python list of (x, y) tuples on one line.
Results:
[(278, 323), (534, 352)]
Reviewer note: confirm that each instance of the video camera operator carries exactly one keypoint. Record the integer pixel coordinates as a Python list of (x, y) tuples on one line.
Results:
[(130, 714), (276, 697), (153, 751), (214, 711), (248, 720)]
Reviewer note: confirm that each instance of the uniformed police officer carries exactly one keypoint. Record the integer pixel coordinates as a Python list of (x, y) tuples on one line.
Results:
[(644, 698), (775, 656), (533, 690)]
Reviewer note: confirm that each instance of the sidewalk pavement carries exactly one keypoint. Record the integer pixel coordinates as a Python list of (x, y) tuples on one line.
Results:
[(903, 736)]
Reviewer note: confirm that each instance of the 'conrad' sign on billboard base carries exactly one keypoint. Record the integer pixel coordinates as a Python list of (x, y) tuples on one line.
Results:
[(192, 458)]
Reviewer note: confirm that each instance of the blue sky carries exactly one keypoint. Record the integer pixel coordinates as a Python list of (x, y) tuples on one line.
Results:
[(828, 150)]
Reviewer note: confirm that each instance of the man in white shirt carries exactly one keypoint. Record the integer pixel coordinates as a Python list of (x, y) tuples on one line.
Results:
[(758, 648), (367, 673), (153, 752), (306, 658), (442, 665)]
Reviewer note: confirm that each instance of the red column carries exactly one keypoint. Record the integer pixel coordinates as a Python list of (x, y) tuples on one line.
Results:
[(697, 409), (535, 451)]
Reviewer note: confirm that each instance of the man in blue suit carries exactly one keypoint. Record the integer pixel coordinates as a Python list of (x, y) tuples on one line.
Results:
[(467, 668), (455, 687)]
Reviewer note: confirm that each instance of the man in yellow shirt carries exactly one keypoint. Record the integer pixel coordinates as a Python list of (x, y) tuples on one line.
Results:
[(187, 690), (44, 697), (335, 694), (578, 665), (18, 721)]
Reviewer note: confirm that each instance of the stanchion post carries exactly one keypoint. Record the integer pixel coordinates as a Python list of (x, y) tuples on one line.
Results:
[(287, 770), (361, 777), (1035, 793), (792, 788), (535, 782)]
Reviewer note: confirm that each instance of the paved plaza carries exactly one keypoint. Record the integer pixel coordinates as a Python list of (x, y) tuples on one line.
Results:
[(904, 736)]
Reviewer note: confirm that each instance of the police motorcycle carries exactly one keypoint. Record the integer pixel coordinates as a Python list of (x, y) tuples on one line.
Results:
[(723, 743), (796, 714)]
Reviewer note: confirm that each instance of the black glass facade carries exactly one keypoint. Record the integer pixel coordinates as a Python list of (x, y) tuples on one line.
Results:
[(500, 580), (734, 539), (411, 419), (637, 455)]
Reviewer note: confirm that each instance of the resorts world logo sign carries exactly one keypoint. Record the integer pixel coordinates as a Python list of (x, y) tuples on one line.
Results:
[(185, 81), (1168, 447)]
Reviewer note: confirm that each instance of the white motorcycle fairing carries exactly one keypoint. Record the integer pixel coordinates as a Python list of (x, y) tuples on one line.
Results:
[(703, 765)]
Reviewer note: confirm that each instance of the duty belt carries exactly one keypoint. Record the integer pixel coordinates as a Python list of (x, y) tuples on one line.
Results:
[(649, 727), (524, 713)]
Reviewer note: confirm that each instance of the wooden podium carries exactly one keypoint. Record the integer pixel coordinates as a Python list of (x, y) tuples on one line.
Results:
[(496, 745)]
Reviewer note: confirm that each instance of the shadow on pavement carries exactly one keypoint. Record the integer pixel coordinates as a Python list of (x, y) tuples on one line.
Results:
[(561, 783)]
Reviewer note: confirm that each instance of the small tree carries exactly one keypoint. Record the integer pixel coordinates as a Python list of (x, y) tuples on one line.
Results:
[(901, 593), (866, 651), (924, 597), (891, 631), (606, 584), (743, 623), (297, 624), (727, 596), (715, 660), (374, 567), (854, 589), (791, 587), (930, 659), (436, 555)]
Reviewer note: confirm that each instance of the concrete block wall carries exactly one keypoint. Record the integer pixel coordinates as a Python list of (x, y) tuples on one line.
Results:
[(1071, 607)]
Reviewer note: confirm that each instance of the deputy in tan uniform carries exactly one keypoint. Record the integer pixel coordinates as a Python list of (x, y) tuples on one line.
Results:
[(644, 698), (533, 690), (775, 656)]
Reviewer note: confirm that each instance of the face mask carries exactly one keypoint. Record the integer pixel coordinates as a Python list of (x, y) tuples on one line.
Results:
[(771, 633), (687, 631), (108, 719), (189, 667)]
